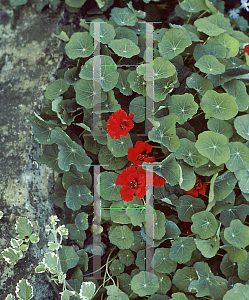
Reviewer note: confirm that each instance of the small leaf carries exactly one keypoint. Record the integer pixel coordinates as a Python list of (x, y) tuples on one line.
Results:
[(210, 65), (24, 290), (78, 195), (68, 258), (80, 45), (124, 47), (24, 227), (241, 124), (124, 16), (237, 234), (122, 237), (144, 283), (87, 290), (204, 224), (55, 89)]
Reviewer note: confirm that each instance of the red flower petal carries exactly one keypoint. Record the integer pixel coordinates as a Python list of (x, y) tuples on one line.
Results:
[(119, 124), (246, 49), (193, 192), (139, 153)]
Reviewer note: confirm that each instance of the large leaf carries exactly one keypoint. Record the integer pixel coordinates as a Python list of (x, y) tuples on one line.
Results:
[(190, 154), (229, 43), (78, 195), (144, 283), (219, 105), (184, 106), (121, 236), (68, 258), (237, 234), (210, 65), (239, 291), (209, 247), (85, 94), (107, 188), (204, 224), (124, 48), (214, 146), (168, 169), (181, 249), (243, 178), (183, 277), (119, 148), (162, 262), (109, 161), (106, 31), (70, 152), (80, 45), (123, 84), (237, 89), (173, 43), (200, 84), (241, 124), (193, 6), (204, 25), (221, 127), (223, 185), (157, 69), (55, 89), (124, 16), (166, 133), (104, 70), (208, 284)]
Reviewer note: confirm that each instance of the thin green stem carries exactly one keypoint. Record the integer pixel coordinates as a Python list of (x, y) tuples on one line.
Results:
[(197, 115), (189, 18), (202, 14)]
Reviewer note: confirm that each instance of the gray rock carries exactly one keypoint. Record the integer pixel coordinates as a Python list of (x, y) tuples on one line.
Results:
[(29, 56)]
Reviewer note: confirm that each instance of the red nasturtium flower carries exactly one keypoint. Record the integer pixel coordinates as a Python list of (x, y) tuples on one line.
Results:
[(246, 49), (200, 187), (133, 181), (119, 124), (187, 226), (139, 154)]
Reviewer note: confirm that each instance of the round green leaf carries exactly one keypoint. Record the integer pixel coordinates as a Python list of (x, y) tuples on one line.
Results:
[(70, 76), (221, 127), (187, 206), (126, 257), (74, 176), (219, 105), (184, 106), (80, 45), (136, 212), (166, 133), (122, 237), (210, 29), (190, 154), (237, 212), (127, 33), (70, 153), (229, 43), (228, 267), (200, 84), (107, 31), (210, 65), (55, 89), (241, 124), (193, 6), (118, 213), (173, 43), (109, 161), (75, 3), (181, 249), (223, 185), (214, 146), (137, 82), (237, 234), (104, 69), (81, 221), (123, 84), (119, 148), (243, 178), (141, 259), (144, 283), (209, 169), (124, 280), (183, 277), (138, 243), (243, 269), (157, 69), (237, 89), (204, 224), (239, 291), (78, 195), (162, 263), (85, 94), (124, 47), (208, 284), (139, 108), (208, 247), (75, 233), (124, 16), (108, 189), (68, 258), (116, 267), (164, 285)]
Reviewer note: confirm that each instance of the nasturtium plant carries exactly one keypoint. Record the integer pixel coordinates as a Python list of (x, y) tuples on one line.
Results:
[(147, 125)]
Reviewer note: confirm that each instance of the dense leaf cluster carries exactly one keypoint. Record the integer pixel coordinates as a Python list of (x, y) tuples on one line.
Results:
[(196, 76)]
